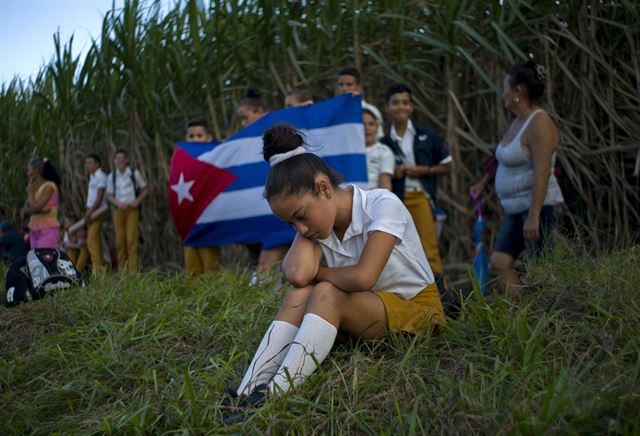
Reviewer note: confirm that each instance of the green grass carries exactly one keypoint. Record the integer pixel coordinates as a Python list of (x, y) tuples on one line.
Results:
[(150, 353)]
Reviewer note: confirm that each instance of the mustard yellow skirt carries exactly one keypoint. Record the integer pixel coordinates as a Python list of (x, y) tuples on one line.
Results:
[(425, 309)]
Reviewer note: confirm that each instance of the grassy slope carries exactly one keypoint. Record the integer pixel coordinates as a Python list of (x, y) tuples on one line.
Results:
[(151, 353)]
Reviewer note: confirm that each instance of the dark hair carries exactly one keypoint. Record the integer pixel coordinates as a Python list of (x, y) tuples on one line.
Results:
[(297, 174), (351, 71), (397, 88), (253, 101), (95, 157), (122, 151), (370, 112), (531, 75), (46, 168), (200, 122)]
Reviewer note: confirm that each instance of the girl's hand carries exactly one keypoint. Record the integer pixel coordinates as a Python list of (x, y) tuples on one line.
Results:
[(531, 228)]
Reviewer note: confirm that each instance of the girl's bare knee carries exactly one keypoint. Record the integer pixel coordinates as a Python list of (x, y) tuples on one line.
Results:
[(325, 293)]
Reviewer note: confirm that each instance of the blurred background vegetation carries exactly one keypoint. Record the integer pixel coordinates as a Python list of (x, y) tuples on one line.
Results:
[(152, 69)]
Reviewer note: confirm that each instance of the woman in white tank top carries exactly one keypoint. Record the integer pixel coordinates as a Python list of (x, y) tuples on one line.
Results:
[(525, 182)]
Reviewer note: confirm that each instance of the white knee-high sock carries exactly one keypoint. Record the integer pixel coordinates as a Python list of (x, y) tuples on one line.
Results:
[(269, 355), (312, 344)]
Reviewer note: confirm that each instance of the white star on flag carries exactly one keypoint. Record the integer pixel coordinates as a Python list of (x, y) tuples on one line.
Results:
[(182, 189)]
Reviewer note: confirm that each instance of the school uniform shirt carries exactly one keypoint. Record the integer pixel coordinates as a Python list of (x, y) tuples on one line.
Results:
[(124, 189), (97, 180), (380, 160), (407, 271), (406, 145)]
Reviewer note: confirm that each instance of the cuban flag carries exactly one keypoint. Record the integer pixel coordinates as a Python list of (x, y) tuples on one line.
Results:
[(216, 189)]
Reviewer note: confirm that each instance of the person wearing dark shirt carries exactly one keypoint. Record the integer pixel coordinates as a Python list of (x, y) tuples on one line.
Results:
[(11, 243)]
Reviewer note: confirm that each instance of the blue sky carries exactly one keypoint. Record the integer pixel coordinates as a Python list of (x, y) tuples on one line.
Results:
[(27, 28)]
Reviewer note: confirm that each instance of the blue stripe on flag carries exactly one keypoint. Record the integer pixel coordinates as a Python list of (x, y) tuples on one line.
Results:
[(195, 149), (266, 229), (351, 166), (326, 113)]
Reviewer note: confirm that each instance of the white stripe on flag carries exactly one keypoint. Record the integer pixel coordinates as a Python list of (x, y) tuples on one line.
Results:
[(244, 203), (335, 140)]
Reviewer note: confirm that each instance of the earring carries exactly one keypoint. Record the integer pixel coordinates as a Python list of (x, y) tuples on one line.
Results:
[(517, 99)]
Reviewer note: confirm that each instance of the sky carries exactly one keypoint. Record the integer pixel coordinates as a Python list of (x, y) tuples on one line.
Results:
[(27, 28)]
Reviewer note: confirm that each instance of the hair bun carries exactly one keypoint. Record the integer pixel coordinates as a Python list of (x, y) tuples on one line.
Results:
[(253, 93), (280, 138)]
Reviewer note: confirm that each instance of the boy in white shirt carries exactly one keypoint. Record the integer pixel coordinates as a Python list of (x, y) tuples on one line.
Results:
[(96, 198), (126, 189)]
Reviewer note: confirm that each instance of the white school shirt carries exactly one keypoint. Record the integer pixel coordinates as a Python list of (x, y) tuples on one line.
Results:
[(124, 185), (380, 160), (407, 272), (97, 180), (406, 145)]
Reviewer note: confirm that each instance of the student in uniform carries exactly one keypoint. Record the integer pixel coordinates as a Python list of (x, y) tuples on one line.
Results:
[(420, 160), (96, 198), (356, 265), (198, 260), (126, 189)]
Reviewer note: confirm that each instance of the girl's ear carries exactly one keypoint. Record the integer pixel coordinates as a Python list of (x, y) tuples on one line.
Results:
[(324, 186)]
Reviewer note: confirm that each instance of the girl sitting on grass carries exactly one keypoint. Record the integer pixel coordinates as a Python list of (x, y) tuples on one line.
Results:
[(377, 278)]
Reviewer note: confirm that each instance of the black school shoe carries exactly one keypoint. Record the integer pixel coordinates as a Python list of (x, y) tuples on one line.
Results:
[(246, 405)]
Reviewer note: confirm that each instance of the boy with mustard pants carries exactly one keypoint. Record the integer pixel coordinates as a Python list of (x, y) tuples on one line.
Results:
[(198, 260), (420, 159), (126, 189)]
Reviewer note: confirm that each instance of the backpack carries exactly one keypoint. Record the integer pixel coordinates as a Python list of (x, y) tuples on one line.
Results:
[(41, 272)]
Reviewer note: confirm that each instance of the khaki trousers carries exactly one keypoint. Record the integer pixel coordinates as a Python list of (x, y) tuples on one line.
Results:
[(94, 244), (420, 210), (198, 260), (126, 226), (79, 257)]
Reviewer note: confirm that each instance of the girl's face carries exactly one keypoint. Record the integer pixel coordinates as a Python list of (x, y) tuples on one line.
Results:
[(31, 172), (249, 115), (311, 215), (370, 128)]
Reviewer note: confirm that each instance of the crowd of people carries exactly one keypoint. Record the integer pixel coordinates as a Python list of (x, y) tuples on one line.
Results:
[(363, 261), (80, 238), (406, 159)]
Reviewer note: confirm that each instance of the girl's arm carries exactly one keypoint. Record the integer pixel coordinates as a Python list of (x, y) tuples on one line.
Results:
[(541, 141), (365, 274), (301, 263), (40, 205)]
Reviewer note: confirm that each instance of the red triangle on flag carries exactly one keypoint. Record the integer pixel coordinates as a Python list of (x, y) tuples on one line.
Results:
[(193, 184)]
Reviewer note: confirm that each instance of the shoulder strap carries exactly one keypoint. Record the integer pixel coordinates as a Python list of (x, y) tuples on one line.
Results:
[(526, 123), (133, 180), (113, 176)]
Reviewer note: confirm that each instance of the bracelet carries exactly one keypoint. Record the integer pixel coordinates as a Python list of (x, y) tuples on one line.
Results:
[(432, 171)]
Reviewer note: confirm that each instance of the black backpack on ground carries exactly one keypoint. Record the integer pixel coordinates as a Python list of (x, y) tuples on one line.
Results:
[(41, 272)]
